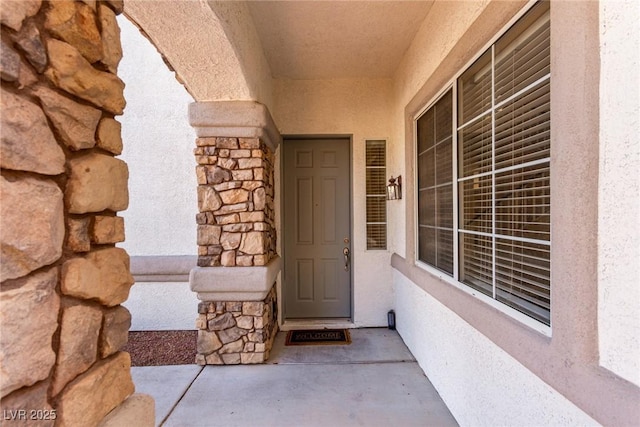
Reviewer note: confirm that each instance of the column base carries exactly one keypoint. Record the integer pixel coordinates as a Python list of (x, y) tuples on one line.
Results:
[(236, 332), (138, 410)]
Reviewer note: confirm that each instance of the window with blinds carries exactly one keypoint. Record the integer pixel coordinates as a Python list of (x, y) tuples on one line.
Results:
[(376, 160), (435, 185), (502, 156)]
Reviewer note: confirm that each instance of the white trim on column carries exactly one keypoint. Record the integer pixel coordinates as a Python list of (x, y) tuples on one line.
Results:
[(162, 268), (234, 119), (234, 283)]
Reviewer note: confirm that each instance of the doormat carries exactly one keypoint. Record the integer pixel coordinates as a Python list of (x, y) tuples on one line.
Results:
[(156, 348), (319, 337)]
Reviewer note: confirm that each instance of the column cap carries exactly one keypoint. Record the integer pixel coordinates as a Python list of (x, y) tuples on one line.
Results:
[(234, 283), (234, 119)]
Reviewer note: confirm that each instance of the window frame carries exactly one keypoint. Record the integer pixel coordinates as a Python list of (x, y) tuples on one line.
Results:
[(452, 84)]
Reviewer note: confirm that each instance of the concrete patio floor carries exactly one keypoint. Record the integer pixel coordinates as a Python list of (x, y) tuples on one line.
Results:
[(374, 381)]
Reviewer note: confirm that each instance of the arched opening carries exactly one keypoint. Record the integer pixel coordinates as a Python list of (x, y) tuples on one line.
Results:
[(65, 278), (235, 226), (160, 219)]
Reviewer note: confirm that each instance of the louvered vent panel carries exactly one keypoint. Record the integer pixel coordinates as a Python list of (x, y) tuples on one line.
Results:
[(376, 207)]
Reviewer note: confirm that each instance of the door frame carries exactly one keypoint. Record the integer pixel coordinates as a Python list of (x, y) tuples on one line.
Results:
[(286, 324)]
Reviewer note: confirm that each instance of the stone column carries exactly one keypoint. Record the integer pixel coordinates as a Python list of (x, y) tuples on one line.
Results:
[(237, 260), (63, 280)]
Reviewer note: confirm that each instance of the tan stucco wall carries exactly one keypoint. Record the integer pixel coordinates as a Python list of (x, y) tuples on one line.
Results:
[(160, 219), (438, 34), (587, 265), (568, 360), (445, 25), (237, 23), (359, 108), (159, 150), (215, 52), (619, 190)]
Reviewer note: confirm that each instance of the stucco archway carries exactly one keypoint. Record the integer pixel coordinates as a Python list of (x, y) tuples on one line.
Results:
[(220, 64), (212, 46)]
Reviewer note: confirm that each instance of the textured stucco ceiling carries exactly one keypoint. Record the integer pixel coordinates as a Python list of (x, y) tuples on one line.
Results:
[(225, 50), (336, 39)]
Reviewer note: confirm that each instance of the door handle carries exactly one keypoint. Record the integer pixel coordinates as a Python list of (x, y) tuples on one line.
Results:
[(346, 254)]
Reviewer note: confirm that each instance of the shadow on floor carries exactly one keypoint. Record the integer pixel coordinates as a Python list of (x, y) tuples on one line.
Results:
[(374, 381)]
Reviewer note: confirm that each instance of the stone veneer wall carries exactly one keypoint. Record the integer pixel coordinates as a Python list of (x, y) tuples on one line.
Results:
[(236, 228), (235, 197), (62, 278), (231, 333)]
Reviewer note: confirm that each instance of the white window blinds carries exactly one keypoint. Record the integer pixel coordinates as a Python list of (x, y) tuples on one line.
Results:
[(504, 142), (502, 157)]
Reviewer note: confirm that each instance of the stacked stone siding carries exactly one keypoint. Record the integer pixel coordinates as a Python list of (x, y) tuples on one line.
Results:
[(62, 278), (232, 333), (235, 199), (237, 320)]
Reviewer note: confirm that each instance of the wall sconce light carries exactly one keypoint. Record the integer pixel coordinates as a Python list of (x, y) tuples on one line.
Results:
[(394, 188)]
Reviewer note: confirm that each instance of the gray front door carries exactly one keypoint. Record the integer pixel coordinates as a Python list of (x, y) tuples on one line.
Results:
[(317, 228)]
